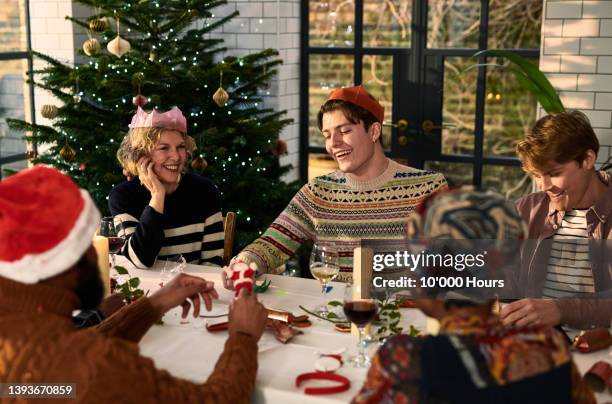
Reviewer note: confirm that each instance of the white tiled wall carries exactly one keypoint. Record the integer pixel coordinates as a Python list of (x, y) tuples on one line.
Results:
[(54, 35), (271, 24), (577, 58)]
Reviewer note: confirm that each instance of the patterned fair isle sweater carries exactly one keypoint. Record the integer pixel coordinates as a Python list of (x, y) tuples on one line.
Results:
[(336, 209)]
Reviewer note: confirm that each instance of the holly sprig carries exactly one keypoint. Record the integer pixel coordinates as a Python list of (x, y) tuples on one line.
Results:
[(129, 288)]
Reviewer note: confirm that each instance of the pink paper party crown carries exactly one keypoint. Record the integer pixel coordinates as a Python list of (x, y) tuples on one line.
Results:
[(173, 119)]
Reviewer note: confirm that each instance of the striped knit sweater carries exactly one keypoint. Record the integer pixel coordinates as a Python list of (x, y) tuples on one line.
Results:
[(191, 225), (336, 209)]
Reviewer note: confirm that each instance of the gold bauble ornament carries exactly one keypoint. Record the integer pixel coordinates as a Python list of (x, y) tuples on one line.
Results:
[(49, 111), (91, 47), (153, 56), (98, 25), (199, 164), (67, 153), (220, 97), (118, 46)]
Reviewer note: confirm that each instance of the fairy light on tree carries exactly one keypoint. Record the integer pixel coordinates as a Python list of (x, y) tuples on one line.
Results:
[(170, 63)]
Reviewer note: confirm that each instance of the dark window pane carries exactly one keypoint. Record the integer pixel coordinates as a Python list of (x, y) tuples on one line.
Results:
[(327, 72), (453, 23), (515, 24), (459, 106), (456, 174), (510, 110), (331, 23), (378, 80), (511, 182), (387, 23)]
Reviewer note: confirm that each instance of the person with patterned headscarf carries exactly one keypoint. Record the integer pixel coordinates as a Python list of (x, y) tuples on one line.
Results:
[(474, 358), (369, 197)]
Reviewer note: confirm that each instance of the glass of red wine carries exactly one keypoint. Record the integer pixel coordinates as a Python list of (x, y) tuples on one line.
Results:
[(361, 310), (108, 230)]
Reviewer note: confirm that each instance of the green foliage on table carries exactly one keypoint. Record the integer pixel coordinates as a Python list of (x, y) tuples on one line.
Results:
[(389, 318), (173, 61), (530, 78), (331, 317), (129, 288), (262, 287)]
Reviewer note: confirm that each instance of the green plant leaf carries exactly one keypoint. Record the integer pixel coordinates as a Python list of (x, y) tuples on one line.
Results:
[(533, 74), (125, 290), (539, 95), (134, 282), (332, 316), (413, 331), (334, 303), (121, 270)]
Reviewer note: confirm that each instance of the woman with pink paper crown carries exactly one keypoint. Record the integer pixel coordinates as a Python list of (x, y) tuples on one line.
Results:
[(163, 210)]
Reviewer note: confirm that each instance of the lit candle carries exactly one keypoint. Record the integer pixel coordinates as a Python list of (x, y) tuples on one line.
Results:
[(100, 243), (432, 326)]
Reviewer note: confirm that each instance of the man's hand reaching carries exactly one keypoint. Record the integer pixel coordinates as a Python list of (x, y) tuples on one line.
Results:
[(186, 291)]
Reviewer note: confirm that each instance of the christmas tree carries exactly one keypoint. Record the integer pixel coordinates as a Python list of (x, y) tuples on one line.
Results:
[(154, 54)]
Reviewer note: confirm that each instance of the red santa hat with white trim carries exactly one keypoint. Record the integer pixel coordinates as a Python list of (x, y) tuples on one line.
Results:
[(46, 224)]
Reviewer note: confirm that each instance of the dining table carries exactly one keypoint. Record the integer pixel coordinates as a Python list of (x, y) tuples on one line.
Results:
[(186, 349)]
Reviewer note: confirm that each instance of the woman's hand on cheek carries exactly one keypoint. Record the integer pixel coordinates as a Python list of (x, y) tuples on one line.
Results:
[(149, 179), (155, 186)]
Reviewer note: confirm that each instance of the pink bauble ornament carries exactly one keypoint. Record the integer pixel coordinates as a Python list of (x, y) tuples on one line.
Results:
[(140, 100)]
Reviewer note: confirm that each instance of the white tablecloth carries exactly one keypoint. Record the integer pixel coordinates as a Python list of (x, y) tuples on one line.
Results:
[(189, 351)]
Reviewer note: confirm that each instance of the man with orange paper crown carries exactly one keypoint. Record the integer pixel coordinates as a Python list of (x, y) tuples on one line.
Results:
[(48, 269), (163, 210), (369, 197)]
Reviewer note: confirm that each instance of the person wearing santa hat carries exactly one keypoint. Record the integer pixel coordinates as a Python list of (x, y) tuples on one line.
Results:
[(163, 210), (370, 196), (48, 269)]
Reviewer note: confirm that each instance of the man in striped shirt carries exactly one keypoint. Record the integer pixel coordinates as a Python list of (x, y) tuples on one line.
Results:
[(163, 211), (567, 259)]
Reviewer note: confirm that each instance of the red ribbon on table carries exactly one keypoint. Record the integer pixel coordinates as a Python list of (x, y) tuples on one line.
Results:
[(344, 383)]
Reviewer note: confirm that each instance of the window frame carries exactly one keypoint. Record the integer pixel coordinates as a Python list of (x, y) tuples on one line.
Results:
[(19, 55), (418, 52)]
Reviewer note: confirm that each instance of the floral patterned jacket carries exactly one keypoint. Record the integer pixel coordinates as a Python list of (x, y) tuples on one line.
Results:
[(475, 360)]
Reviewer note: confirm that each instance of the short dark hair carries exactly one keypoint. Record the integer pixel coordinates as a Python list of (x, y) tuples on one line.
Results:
[(352, 112), (561, 137)]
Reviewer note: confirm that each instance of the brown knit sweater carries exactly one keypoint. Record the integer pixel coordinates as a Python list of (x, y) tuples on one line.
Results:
[(38, 343)]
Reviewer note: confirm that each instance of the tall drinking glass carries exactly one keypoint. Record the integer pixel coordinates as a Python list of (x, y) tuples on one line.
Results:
[(360, 311), (324, 268), (115, 242)]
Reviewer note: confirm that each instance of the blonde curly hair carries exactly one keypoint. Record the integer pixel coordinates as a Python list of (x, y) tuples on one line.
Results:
[(139, 142)]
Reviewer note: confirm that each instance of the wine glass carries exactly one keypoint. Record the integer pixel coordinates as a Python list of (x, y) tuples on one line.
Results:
[(360, 309), (324, 268), (173, 266), (108, 230)]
